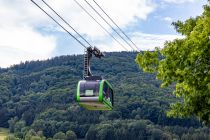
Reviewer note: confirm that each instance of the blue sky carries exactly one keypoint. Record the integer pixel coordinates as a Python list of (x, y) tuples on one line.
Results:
[(28, 34)]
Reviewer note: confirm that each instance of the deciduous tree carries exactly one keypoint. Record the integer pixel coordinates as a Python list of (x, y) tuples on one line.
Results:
[(186, 63)]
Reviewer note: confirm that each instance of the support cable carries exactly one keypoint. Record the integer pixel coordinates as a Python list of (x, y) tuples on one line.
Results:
[(66, 22), (109, 24), (116, 24), (59, 24), (100, 24)]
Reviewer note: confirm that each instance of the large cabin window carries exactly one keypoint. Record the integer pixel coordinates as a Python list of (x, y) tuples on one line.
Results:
[(89, 89)]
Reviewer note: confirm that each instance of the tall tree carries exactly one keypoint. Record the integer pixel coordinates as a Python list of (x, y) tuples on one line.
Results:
[(185, 63)]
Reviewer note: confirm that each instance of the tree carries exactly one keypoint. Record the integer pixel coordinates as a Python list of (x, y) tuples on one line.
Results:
[(70, 135), (137, 130), (59, 136), (91, 134), (185, 63), (12, 123), (156, 134), (28, 116)]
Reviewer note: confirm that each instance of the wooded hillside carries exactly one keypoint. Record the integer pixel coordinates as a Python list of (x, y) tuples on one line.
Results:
[(37, 101)]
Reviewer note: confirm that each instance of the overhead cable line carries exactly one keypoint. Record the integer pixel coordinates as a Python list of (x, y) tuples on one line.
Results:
[(109, 24), (100, 24), (66, 22), (61, 25), (116, 24)]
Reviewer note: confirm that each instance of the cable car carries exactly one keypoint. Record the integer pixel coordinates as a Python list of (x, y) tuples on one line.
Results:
[(94, 92), (95, 95)]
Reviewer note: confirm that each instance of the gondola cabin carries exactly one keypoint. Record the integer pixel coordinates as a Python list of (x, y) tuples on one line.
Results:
[(95, 95), (93, 92)]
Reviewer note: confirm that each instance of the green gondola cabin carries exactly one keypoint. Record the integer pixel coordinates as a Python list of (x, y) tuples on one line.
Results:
[(95, 94)]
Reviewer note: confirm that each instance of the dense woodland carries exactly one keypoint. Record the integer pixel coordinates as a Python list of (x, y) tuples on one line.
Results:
[(37, 102)]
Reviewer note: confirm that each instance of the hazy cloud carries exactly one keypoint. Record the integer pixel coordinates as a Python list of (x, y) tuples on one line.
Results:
[(178, 1), (143, 41), (21, 41), (168, 19), (28, 34)]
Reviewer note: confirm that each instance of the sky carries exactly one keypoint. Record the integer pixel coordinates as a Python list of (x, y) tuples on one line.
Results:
[(26, 33)]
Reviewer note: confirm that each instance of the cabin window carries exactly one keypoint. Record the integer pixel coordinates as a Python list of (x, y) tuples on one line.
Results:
[(89, 89), (108, 92)]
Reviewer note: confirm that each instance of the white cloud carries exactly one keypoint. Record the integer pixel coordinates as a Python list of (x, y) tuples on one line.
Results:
[(178, 1), (23, 43), (150, 41), (123, 12), (168, 19), (20, 41), (26, 39), (143, 41)]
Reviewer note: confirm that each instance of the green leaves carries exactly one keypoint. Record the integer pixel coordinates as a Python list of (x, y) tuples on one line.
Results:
[(185, 62), (148, 61)]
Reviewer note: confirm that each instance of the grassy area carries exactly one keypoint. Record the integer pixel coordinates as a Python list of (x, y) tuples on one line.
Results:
[(3, 133)]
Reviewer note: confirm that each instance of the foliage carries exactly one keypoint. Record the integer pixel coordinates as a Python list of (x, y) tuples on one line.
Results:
[(59, 136), (11, 137), (70, 135), (39, 102), (185, 63)]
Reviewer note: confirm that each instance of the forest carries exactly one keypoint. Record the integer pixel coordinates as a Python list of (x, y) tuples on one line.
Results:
[(37, 102)]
